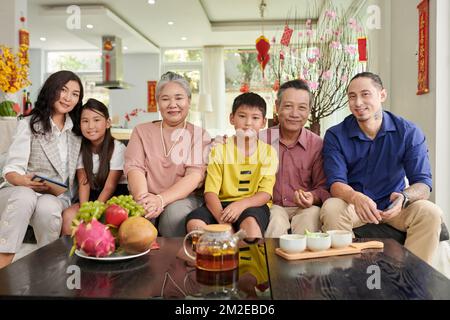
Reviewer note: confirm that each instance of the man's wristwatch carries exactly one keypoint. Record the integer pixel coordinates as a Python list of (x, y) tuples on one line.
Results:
[(405, 199)]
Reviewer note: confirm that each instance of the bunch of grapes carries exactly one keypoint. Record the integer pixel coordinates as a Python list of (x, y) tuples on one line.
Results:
[(127, 202), (90, 210)]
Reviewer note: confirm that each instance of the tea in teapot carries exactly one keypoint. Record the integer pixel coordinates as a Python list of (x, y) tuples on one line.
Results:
[(216, 248)]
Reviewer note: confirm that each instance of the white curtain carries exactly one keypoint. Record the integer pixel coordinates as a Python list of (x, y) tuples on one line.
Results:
[(213, 83)]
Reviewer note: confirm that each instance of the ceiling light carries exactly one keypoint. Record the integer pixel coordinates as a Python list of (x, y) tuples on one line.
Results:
[(151, 1), (183, 38), (125, 48), (89, 26), (43, 38), (170, 23)]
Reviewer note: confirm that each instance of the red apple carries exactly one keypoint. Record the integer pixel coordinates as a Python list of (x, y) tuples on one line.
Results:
[(115, 215)]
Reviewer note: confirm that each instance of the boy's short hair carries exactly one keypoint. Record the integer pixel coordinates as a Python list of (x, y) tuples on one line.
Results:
[(251, 99)]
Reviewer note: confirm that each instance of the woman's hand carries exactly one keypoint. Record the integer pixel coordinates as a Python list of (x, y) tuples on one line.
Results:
[(153, 214), (152, 205), (37, 186)]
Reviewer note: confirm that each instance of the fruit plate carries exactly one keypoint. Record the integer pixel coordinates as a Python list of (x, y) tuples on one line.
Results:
[(116, 256)]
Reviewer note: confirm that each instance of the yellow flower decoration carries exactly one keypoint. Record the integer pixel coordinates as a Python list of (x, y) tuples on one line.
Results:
[(14, 69)]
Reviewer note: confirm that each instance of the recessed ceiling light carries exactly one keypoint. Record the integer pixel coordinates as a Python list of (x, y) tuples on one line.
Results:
[(151, 1), (184, 38), (125, 48), (43, 38), (170, 23), (89, 26)]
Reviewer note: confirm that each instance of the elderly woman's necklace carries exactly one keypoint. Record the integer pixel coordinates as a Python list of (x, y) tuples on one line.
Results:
[(166, 154)]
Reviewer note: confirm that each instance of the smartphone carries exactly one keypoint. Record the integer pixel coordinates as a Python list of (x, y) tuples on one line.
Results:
[(393, 204), (42, 179), (56, 188)]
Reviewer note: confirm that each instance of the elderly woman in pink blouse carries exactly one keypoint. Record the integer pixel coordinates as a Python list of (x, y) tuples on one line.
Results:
[(165, 160)]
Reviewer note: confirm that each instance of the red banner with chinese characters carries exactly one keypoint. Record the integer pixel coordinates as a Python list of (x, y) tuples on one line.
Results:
[(151, 99), (362, 49), (423, 63), (286, 37)]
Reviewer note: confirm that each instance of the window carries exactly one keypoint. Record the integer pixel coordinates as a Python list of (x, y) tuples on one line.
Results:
[(188, 63), (86, 64), (182, 55), (76, 61), (243, 73)]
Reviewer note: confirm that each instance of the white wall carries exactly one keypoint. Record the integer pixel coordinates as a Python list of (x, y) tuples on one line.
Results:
[(37, 71), (10, 14), (138, 69), (10, 21)]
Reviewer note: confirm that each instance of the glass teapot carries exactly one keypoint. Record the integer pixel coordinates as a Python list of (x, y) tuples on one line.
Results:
[(216, 248)]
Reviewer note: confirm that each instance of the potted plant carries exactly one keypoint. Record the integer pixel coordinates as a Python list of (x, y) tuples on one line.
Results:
[(13, 77), (326, 57)]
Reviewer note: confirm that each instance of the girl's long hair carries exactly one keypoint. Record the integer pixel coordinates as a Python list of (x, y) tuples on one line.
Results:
[(104, 151), (48, 95)]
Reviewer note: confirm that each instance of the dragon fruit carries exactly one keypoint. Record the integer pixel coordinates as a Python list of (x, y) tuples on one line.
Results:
[(94, 238)]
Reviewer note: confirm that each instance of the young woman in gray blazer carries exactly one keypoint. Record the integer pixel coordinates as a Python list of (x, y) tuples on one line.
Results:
[(46, 143)]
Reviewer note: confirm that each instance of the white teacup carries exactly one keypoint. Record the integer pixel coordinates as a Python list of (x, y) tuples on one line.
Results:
[(293, 243), (318, 241), (340, 238)]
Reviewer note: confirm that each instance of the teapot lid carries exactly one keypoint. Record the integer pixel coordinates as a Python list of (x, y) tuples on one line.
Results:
[(217, 228)]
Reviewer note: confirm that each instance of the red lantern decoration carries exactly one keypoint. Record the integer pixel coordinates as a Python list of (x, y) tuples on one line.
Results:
[(24, 35), (263, 47)]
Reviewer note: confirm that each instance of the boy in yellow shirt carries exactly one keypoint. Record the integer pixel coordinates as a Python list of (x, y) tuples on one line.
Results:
[(241, 174)]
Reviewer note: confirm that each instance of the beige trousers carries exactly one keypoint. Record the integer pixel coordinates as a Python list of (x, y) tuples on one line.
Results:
[(294, 218), (421, 221), (21, 206)]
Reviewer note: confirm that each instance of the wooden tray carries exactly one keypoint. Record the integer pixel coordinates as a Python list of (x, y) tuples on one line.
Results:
[(351, 249)]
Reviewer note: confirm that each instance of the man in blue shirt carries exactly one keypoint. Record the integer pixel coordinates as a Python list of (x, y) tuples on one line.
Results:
[(366, 160)]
